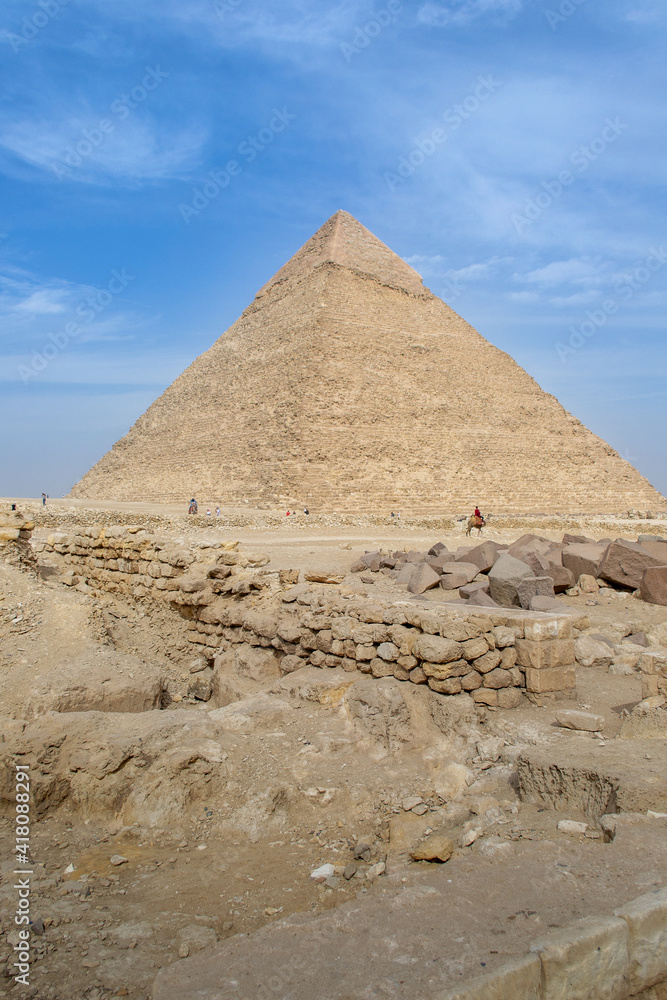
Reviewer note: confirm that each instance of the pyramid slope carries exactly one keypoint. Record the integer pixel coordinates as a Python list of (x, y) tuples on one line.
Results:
[(340, 387)]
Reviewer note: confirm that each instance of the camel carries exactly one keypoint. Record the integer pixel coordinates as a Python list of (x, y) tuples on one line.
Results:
[(475, 522)]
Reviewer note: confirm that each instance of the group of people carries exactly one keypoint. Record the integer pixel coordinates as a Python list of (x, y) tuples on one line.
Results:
[(194, 509), (292, 513)]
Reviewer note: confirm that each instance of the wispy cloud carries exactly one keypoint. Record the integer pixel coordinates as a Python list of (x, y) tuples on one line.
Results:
[(137, 151), (459, 12)]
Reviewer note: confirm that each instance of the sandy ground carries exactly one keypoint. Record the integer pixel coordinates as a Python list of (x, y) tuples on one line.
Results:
[(109, 930)]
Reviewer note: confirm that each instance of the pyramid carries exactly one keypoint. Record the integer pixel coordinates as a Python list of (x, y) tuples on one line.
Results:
[(347, 385)]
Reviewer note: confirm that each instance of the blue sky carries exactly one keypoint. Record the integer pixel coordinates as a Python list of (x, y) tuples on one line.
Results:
[(161, 159)]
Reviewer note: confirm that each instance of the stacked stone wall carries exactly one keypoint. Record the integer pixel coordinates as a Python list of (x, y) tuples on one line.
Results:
[(226, 597)]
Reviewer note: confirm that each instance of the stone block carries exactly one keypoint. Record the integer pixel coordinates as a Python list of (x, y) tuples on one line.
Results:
[(467, 569), (423, 578), (483, 556), (586, 722), (481, 587), (436, 649), (550, 679), (624, 563), (481, 599), (509, 697), (518, 979), (541, 655), (365, 652), (653, 587), (461, 629), (497, 679), (489, 661), (583, 558), (586, 959), (485, 696), (381, 668), (471, 681), (590, 652), (534, 586), (646, 918), (504, 578), (553, 628), (472, 648), (451, 685)]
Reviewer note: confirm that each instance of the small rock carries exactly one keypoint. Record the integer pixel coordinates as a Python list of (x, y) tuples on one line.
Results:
[(586, 722), (433, 848), (420, 809), (183, 950), (362, 851), (70, 868), (466, 839), (322, 873), (411, 802), (332, 883), (571, 826), (271, 911), (37, 926), (349, 871), (117, 859)]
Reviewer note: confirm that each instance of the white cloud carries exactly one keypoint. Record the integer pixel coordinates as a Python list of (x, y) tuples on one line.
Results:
[(134, 151), (460, 12)]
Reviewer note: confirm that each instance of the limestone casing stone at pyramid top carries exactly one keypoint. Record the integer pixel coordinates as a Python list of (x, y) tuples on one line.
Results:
[(346, 384)]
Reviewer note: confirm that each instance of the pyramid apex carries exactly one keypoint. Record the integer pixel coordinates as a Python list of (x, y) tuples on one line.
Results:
[(344, 242)]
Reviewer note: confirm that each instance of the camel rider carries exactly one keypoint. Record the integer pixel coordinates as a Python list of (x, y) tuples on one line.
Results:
[(478, 513)]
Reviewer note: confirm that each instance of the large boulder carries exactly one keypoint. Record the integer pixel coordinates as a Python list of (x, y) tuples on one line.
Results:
[(583, 557), (654, 585), (625, 562), (481, 586), (423, 578), (505, 577), (656, 546), (550, 564), (590, 652), (534, 586), (481, 599), (483, 556), (458, 568), (529, 543)]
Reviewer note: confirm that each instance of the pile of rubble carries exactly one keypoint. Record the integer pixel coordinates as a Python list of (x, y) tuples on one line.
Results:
[(531, 571)]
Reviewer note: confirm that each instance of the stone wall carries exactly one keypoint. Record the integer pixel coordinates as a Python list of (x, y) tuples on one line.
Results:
[(614, 957), (15, 534), (226, 597)]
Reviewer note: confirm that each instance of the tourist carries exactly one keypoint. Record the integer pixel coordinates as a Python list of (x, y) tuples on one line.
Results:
[(43, 499), (478, 514), (217, 512), (306, 511), (208, 512)]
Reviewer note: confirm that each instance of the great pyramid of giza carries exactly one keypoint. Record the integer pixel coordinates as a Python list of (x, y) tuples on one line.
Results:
[(348, 385)]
